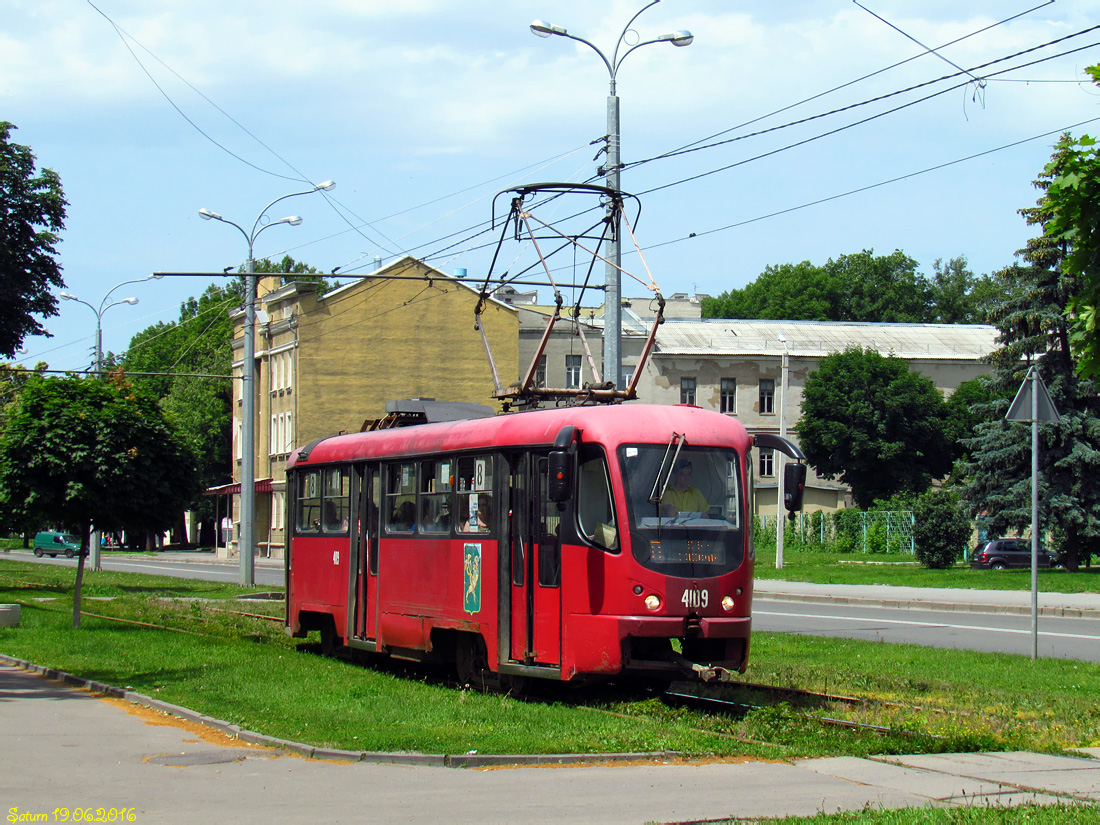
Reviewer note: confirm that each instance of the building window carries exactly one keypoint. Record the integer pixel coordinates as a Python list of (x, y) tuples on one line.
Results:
[(274, 440), (288, 443), (238, 436), (687, 391), (572, 372), (767, 396), (540, 372), (729, 395), (767, 463)]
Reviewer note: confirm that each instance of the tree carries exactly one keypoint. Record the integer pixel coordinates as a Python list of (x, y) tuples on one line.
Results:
[(859, 288), (965, 411), (79, 453), (1035, 329), (869, 421), (32, 212), (940, 528), (1073, 225), (299, 270)]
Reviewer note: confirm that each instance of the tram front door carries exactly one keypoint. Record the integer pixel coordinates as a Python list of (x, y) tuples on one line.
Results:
[(535, 546)]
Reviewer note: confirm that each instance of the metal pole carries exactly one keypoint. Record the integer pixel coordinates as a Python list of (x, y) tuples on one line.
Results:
[(613, 305), (95, 555), (1033, 376), (248, 428), (777, 464)]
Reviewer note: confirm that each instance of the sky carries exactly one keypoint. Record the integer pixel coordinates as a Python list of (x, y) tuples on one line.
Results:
[(422, 111)]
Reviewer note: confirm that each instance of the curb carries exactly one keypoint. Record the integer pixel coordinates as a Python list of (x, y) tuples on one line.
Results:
[(918, 604), (431, 760)]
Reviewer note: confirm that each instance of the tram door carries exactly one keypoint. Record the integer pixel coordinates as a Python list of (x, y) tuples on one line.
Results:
[(365, 587), (535, 564)]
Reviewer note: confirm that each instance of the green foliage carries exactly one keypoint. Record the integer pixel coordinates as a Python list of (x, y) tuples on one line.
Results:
[(81, 452), (1035, 330), (941, 529), (860, 287), (186, 359), (32, 213), (869, 421), (297, 270)]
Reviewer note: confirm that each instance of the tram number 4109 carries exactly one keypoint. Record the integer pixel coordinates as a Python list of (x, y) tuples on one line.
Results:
[(695, 598)]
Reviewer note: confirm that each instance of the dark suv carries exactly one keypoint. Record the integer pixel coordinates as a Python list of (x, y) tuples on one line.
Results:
[(1001, 554)]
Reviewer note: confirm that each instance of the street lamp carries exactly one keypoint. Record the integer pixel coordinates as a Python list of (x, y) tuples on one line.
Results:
[(102, 308), (248, 412), (779, 459), (612, 331)]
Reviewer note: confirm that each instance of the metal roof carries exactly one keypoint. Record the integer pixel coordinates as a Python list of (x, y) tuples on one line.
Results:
[(816, 339)]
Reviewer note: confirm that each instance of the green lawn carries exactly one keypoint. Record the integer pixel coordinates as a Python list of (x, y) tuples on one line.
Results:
[(245, 670)]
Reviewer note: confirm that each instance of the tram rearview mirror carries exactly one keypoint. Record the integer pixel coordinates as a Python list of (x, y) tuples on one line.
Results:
[(561, 475), (794, 485)]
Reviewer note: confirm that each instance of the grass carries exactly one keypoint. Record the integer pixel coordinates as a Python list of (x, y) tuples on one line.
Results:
[(899, 570), (245, 670), (1064, 814)]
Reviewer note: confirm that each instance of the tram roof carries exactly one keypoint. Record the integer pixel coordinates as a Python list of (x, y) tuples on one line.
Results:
[(610, 424)]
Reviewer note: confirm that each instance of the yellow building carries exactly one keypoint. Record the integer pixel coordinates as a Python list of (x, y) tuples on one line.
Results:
[(325, 364)]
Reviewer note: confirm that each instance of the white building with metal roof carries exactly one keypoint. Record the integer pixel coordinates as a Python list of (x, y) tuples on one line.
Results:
[(737, 367)]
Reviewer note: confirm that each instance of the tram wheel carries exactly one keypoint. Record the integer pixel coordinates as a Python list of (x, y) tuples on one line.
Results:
[(471, 660), (330, 641)]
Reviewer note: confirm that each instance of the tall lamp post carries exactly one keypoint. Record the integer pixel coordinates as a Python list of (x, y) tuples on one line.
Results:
[(245, 546), (778, 457), (612, 330), (102, 308)]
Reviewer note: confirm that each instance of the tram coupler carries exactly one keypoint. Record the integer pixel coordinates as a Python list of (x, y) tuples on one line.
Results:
[(706, 673)]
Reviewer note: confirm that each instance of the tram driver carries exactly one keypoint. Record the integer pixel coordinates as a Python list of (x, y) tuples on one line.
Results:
[(680, 496)]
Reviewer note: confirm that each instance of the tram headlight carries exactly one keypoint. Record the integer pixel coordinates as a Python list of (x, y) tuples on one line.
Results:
[(727, 602), (653, 602)]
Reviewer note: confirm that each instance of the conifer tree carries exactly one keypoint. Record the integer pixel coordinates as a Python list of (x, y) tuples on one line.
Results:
[(1034, 330)]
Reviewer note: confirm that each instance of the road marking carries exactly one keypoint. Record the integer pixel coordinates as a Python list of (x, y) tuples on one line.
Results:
[(878, 620)]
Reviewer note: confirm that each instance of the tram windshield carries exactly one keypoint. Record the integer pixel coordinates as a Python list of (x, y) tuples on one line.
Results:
[(686, 510)]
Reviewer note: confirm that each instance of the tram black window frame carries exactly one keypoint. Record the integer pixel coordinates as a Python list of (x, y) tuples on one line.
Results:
[(435, 513), (307, 502), (549, 529), (336, 489), (475, 477), (597, 520), (400, 497)]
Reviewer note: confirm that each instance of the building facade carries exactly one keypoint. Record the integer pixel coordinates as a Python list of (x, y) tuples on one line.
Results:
[(737, 367), (327, 364)]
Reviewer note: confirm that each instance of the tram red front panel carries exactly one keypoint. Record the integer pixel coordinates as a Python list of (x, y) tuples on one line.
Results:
[(601, 609)]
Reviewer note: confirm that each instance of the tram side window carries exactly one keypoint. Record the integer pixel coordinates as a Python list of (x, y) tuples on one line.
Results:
[(435, 496), (549, 537), (308, 502), (337, 489), (595, 504), (475, 494), (401, 497)]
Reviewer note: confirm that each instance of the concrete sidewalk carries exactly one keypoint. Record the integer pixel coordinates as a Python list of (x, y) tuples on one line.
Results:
[(65, 748), (1069, 605)]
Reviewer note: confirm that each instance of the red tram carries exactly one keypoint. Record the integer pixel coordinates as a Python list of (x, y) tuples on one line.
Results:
[(562, 544)]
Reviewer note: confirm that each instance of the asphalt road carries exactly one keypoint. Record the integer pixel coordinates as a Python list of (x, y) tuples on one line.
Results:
[(1059, 638), (1003, 632)]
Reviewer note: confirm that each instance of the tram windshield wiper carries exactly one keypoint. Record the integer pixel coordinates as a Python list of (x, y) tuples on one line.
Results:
[(668, 462)]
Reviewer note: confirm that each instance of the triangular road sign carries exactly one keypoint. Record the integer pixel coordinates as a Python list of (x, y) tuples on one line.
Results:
[(1021, 404)]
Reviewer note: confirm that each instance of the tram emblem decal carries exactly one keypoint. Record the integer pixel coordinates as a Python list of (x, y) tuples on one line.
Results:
[(471, 578)]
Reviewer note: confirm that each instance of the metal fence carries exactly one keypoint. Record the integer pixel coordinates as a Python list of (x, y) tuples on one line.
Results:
[(846, 531)]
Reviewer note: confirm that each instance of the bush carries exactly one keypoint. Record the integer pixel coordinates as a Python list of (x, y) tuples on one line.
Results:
[(942, 529)]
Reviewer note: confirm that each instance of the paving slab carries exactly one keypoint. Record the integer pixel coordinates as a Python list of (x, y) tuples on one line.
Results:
[(65, 748), (1064, 775), (938, 788)]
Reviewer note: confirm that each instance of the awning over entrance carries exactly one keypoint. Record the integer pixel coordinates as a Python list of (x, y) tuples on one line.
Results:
[(263, 485)]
